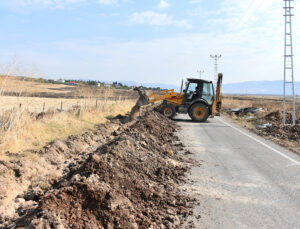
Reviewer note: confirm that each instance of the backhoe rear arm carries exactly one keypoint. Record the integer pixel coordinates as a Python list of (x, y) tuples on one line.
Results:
[(217, 106)]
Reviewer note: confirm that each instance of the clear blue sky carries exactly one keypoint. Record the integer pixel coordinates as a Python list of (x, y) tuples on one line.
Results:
[(155, 41)]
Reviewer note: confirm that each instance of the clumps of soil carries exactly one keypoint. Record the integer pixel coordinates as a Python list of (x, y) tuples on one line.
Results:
[(279, 131), (291, 133), (41, 169), (274, 117), (130, 182)]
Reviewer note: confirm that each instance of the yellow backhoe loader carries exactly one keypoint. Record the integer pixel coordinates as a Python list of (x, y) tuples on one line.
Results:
[(198, 100)]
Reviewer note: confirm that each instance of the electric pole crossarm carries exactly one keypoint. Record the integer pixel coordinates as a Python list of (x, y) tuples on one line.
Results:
[(216, 58), (200, 73)]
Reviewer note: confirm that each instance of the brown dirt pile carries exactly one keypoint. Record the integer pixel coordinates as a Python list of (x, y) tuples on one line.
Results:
[(130, 182), (274, 117), (279, 131), (45, 166), (291, 133)]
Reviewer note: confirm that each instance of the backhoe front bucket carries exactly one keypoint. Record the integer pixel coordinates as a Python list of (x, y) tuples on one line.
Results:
[(143, 100)]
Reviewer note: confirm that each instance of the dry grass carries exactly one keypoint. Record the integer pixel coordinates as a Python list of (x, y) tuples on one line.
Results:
[(37, 104), (269, 104), (17, 86), (21, 132)]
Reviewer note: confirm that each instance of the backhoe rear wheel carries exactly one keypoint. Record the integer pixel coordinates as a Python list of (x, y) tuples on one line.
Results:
[(199, 112), (168, 110)]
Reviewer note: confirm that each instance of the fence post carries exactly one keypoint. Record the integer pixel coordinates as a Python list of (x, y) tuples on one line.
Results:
[(61, 106), (96, 103), (43, 107), (20, 106)]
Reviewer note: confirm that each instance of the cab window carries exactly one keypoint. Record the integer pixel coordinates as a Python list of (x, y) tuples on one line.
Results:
[(208, 92), (192, 88)]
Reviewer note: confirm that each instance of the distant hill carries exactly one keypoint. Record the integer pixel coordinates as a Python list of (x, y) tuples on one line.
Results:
[(249, 87), (258, 88), (153, 85)]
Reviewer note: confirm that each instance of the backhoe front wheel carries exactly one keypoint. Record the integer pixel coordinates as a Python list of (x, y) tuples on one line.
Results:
[(168, 110), (199, 112)]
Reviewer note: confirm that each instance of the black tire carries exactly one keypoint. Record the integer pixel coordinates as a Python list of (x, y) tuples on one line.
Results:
[(199, 112), (168, 110)]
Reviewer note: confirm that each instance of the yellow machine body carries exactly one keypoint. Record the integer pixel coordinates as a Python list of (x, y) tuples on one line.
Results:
[(167, 95)]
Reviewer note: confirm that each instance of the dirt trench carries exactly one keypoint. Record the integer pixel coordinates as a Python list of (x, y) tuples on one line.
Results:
[(131, 180)]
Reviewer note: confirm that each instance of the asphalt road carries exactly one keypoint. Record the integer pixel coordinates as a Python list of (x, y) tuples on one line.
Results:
[(244, 181)]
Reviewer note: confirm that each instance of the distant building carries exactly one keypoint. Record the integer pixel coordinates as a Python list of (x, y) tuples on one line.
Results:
[(60, 81), (108, 85), (73, 83)]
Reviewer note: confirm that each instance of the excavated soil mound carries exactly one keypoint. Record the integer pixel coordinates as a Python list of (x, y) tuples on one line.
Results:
[(274, 116), (291, 133), (277, 116), (130, 182), (279, 131), (46, 165)]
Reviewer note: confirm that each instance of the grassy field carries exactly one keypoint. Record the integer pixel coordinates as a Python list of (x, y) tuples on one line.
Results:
[(38, 104), (19, 87), (268, 103), (21, 132), (28, 123), (29, 87)]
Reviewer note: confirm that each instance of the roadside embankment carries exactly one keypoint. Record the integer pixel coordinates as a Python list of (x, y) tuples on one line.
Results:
[(264, 117), (126, 175), (22, 131)]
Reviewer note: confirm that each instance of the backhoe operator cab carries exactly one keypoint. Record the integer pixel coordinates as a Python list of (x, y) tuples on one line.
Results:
[(199, 90)]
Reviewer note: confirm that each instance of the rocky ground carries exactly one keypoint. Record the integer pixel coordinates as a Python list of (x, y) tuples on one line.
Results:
[(119, 176), (269, 125)]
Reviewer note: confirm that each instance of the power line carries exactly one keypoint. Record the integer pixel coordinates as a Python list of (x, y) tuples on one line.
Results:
[(200, 73), (216, 58), (289, 84)]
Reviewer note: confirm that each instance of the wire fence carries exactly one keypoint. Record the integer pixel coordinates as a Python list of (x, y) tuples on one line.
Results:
[(39, 105)]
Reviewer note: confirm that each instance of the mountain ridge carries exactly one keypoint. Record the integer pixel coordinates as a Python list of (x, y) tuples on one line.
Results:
[(259, 88)]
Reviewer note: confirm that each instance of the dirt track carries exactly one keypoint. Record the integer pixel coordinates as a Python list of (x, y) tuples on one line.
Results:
[(129, 181)]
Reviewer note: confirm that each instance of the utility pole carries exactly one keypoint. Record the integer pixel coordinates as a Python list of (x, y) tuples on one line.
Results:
[(200, 73), (216, 58), (289, 85)]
